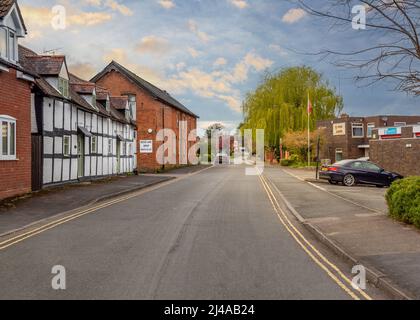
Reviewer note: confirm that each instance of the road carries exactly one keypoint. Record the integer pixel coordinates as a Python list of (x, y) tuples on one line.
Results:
[(213, 235)]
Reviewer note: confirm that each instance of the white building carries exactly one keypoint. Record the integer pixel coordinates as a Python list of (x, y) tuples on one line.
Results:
[(77, 134)]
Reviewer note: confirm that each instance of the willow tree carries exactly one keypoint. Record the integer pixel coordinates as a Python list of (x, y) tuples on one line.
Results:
[(279, 104)]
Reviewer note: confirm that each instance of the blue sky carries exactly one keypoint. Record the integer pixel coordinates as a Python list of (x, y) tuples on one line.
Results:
[(206, 53)]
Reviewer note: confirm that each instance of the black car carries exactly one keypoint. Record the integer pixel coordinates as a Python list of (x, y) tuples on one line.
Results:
[(352, 172)]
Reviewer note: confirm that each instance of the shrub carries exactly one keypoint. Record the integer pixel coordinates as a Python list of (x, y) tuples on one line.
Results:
[(403, 200)]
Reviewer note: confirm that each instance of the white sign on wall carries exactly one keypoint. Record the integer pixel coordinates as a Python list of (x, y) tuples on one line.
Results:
[(339, 129), (146, 146)]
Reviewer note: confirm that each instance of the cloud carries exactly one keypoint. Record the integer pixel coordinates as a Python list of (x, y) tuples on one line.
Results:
[(277, 49), (120, 55), (294, 15), (167, 4), (241, 4), (218, 84), (42, 17), (83, 70), (204, 37), (250, 61), (153, 45), (112, 4), (220, 62), (193, 52), (116, 6)]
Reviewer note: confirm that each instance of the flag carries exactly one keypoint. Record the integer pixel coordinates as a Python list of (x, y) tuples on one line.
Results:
[(310, 108)]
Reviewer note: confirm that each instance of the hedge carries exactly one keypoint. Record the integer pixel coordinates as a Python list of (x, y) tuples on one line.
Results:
[(403, 200)]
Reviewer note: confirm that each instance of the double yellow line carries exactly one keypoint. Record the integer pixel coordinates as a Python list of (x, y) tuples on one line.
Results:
[(80, 213), (330, 269)]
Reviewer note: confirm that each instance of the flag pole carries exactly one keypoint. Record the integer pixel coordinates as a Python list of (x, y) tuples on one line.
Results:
[(309, 132)]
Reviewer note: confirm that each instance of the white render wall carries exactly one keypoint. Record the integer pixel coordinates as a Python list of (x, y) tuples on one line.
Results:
[(63, 119)]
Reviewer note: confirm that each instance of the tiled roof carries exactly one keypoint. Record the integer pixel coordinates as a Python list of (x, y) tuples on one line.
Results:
[(6, 5), (46, 65), (119, 103), (152, 89)]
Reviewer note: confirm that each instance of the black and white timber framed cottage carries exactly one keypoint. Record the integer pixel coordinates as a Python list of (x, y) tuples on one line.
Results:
[(77, 134)]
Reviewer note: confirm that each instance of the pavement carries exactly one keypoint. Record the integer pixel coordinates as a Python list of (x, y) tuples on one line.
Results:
[(209, 235), (354, 221), (22, 212)]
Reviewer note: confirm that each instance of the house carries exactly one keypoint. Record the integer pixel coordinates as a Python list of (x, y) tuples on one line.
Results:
[(348, 137), (15, 105), (77, 134), (153, 110)]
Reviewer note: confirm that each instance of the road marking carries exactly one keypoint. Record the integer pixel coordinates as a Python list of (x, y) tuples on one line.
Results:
[(21, 237), (335, 195), (299, 237)]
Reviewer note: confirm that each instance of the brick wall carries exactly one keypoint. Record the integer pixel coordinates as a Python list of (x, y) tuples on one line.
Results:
[(397, 155), (15, 101), (151, 114)]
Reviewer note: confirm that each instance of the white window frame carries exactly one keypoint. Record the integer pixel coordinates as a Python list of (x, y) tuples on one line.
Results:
[(400, 124), (63, 86), (357, 125), (9, 120), (68, 139), (370, 125), (110, 146), (94, 145), (5, 54)]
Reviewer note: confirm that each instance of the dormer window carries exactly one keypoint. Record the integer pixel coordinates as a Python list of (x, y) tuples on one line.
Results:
[(63, 87)]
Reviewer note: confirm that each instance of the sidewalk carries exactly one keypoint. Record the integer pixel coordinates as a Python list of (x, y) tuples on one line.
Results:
[(50, 202), (391, 250)]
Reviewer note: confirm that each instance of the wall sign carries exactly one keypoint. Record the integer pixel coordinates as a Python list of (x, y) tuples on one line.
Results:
[(390, 133), (146, 146), (339, 129)]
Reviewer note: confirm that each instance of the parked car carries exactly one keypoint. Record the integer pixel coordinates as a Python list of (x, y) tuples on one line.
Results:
[(352, 172), (222, 158)]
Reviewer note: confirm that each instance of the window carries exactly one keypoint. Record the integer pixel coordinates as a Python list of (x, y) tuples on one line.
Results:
[(94, 99), (400, 124), (370, 127), (109, 146), (123, 149), (338, 155), (94, 146), (7, 138), (371, 167), (357, 130), (357, 165), (3, 42), (133, 106), (12, 46), (66, 146), (63, 87)]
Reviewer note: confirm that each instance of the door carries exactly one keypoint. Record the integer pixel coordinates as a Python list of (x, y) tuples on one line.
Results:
[(36, 162), (118, 156), (80, 156), (376, 174)]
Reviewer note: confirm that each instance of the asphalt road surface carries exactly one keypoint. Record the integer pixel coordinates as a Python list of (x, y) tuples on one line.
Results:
[(212, 235)]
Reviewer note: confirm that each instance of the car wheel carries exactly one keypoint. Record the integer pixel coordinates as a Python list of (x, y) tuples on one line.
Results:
[(349, 180)]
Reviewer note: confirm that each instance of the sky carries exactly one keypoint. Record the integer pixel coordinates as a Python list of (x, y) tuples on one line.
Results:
[(207, 53)]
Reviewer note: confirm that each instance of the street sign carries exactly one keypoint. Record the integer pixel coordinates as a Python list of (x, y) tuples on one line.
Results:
[(146, 146)]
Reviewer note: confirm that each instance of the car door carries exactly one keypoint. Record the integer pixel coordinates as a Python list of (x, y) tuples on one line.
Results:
[(374, 173), (357, 170)]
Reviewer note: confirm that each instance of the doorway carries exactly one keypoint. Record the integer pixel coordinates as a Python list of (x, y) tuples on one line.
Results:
[(80, 156), (118, 156)]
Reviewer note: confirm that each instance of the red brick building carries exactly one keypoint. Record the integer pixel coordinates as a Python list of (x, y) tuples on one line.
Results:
[(153, 110), (15, 106), (348, 137)]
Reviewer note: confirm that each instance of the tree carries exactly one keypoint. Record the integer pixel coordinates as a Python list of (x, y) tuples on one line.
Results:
[(296, 142), (279, 104), (393, 28)]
